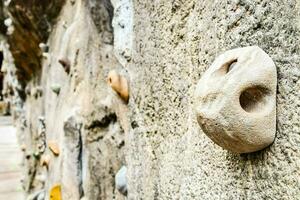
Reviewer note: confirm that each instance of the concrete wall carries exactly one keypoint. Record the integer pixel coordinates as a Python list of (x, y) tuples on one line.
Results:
[(162, 48)]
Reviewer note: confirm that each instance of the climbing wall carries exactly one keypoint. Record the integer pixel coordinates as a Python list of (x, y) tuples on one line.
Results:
[(104, 100)]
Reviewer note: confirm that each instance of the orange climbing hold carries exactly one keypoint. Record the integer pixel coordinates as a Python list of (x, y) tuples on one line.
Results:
[(119, 84), (53, 146)]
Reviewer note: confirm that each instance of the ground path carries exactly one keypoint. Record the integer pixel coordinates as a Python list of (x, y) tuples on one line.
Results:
[(10, 160)]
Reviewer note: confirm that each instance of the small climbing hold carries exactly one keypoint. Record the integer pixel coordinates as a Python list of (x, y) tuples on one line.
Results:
[(8, 22), (46, 55), (28, 90), (53, 146), (36, 92), (119, 84), (36, 155), (55, 193), (39, 91), (120, 180), (10, 30), (44, 48), (55, 88), (23, 147), (38, 195), (65, 25), (45, 160), (65, 62)]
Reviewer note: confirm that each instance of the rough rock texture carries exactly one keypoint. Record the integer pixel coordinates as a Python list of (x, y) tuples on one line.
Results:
[(162, 48), (236, 100), (174, 43)]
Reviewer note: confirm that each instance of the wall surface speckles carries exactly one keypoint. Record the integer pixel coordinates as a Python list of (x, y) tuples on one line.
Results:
[(161, 48), (174, 43)]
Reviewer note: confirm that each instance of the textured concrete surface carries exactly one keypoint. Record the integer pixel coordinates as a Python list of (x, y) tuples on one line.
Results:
[(167, 47), (10, 159), (168, 156)]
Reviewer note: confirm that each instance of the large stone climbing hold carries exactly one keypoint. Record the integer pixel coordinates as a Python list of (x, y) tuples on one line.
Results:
[(236, 100), (120, 180), (55, 193), (119, 84)]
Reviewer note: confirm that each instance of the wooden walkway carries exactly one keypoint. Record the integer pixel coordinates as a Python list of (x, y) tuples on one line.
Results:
[(10, 162)]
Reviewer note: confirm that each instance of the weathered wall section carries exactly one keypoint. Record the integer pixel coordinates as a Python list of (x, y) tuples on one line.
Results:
[(162, 48), (174, 43), (75, 110)]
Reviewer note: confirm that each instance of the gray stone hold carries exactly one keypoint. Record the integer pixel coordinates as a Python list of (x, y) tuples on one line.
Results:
[(10, 30), (65, 25), (44, 48), (120, 180), (55, 88), (8, 22)]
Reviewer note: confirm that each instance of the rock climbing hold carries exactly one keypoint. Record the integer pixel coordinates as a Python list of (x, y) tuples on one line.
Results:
[(120, 180), (44, 48), (45, 160), (55, 88), (236, 100), (36, 92), (23, 147), (65, 63), (28, 90), (119, 84), (36, 155), (8, 22), (55, 193), (53, 146)]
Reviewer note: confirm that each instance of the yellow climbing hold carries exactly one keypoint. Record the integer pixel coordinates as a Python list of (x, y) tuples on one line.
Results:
[(55, 193)]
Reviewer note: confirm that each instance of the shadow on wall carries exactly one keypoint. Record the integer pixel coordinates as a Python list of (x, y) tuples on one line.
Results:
[(1, 76)]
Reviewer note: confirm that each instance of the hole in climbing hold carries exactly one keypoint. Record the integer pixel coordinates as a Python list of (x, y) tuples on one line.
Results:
[(226, 67), (254, 99)]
